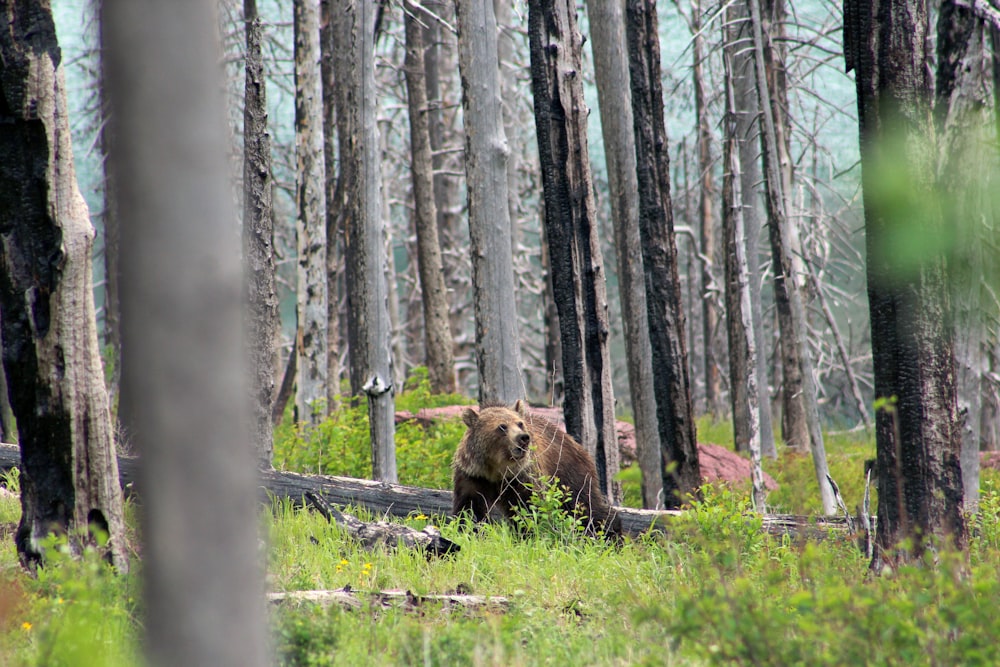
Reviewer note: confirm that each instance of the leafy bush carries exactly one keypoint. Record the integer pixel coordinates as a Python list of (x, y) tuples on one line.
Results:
[(545, 516)]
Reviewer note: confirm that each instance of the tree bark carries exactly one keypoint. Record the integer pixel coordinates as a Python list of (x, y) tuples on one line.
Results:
[(182, 324), (51, 356), (781, 239), (918, 439), (438, 345), (310, 202), (743, 395), (498, 348), (675, 416), (962, 114), (258, 240), (368, 290), (747, 131), (334, 205), (578, 279), (706, 223), (607, 26)]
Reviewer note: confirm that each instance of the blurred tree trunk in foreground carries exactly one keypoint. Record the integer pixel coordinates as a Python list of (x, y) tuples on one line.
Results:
[(182, 323)]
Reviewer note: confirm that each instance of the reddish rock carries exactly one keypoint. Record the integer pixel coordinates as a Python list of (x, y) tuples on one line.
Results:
[(718, 464), (989, 460)]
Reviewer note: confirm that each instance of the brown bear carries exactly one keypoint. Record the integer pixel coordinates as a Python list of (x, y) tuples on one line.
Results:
[(506, 452)]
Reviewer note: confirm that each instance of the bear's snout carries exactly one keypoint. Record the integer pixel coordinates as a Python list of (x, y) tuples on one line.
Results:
[(520, 448)]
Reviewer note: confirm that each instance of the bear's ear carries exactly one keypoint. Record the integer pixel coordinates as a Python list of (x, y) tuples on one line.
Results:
[(520, 408), (470, 417)]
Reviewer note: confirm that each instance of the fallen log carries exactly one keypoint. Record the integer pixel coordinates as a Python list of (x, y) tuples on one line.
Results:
[(384, 533), (354, 600), (382, 498)]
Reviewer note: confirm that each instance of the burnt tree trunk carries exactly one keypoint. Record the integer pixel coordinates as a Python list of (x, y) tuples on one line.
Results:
[(572, 231), (51, 356), (917, 435), (607, 25), (674, 411)]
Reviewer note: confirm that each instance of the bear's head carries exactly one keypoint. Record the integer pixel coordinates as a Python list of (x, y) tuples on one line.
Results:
[(499, 438)]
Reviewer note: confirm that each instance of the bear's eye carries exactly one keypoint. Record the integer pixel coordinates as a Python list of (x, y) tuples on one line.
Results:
[(520, 425), (502, 428)]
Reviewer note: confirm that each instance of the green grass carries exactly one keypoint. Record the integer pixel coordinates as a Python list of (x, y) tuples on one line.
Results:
[(712, 589)]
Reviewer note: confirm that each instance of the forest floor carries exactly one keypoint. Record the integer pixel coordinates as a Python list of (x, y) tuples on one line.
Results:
[(712, 589)]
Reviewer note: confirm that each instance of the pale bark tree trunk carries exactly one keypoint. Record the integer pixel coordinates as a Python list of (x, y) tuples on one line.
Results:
[(578, 277), (744, 396), (498, 348), (181, 304), (440, 123), (607, 27), (258, 240), (675, 415), (962, 117), (706, 223), (367, 286), (794, 409), (781, 239), (334, 204), (918, 439), (51, 356), (438, 345), (747, 110), (310, 223)]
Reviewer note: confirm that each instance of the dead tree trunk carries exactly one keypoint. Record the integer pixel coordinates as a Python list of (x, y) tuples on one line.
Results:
[(368, 290), (744, 395), (918, 439), (438, 346), (736, 34), (334, 204), (572, 232), (258, 240), (498, 348), (706, 223), (780, 227), (51, 356), (675, 416), (607, 27), (310, 201)]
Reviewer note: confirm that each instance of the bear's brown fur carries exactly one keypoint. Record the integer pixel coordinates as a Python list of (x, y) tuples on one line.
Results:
[(506, 452)]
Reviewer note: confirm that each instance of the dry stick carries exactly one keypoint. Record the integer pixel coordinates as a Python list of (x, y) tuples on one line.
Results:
[(352, 600), (841, 348)]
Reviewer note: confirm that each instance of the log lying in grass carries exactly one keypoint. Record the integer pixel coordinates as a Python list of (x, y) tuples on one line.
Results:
[(384, 533), (354, 600), (403, 501)]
